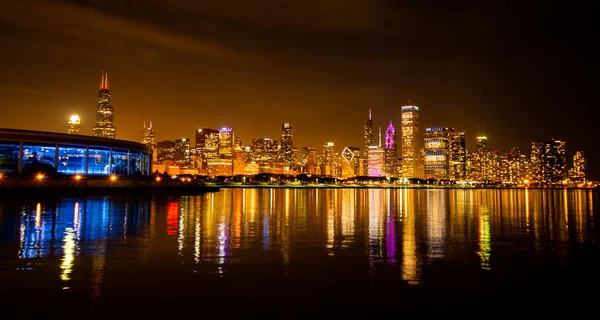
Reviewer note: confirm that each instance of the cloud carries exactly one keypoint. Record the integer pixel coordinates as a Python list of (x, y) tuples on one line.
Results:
[(82, 22)]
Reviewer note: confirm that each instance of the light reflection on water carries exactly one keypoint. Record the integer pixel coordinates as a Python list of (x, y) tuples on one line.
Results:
[(409, 233)]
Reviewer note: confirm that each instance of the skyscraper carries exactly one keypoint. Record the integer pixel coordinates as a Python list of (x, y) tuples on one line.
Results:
[(368, 141), (458, 155), (410, 141), (148, 138), (327, 165), (554, 162), (579, 167), (535, 162), (182, 152), (376, 160), (104, 112), (165, 151), (226, 139), (74, 124), (391, 151), (437, 157), (287, 145), (207, 144)]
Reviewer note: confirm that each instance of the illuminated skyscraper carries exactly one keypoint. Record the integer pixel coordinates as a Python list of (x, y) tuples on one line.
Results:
[(437, 152), (579, 167), (287, 145), (410, 141), (391, 151), (226, 139), (265, 149), (458, 155), (554, 162), (309, 159), (535, 163), (327, 164), (74, 124), (207, 144), (481, 144), (182, 152), (376, 158), (238, 161), (104, 112), (148, 138), (368, 141)]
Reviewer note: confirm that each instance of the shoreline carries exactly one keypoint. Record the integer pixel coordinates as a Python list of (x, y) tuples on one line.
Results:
[(324, 186)]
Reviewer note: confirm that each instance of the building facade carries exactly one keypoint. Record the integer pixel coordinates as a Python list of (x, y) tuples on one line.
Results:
[(391, 151), (226, 142), (104, 127), (458, 155), (437, 153), (287, 145), (21, 151), (376, 158), (578, 172), (367, 141), (182, 152)]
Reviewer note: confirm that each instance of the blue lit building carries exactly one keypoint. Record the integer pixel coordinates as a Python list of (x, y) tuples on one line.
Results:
[(72, 154)]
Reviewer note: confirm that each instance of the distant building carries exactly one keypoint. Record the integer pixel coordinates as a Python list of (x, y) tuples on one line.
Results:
[(376, 158), (535, 163), (578, 172), (226, 140), (207, 144), (327, 164), (220, 167), (165, 151), (437, 153), (74, 124), (265, 149), (391, 152), (367, 141), (149, 139), (182, 152), (287, 145), (458, 155), (309, 160), (104, 127), (238, 161), (411, 154), (554, 169)]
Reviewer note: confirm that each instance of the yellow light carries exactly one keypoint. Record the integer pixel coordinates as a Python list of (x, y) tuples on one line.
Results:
[(77, 177), (158, 179), (113, 178), (189, 179), (40, 176), (526, 181)]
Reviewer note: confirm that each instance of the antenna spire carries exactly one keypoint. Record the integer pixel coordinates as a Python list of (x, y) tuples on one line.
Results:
[(370, 114), (380, 136)]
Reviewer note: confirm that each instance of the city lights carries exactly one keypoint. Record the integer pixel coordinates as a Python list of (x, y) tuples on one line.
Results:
[(158, 179), (77, 177), (40, 176), (113, 178)]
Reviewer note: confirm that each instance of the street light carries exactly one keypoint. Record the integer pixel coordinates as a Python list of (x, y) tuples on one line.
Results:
[(158, 179), (77, 177), (113, 178), (40, 176)]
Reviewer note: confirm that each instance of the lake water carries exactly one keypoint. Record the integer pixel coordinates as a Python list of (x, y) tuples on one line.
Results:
[(286, 253)]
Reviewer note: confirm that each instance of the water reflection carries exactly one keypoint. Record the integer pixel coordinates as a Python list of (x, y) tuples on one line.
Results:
[(235, 230)]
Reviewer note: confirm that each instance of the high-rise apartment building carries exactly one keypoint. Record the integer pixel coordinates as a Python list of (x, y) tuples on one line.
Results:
[(74, 124), (182, 152), (287, 145), (104, 112), (391, 151), (458, 155), (367, 141), (437, 153), (226, 140), (409, 119), (535, 162)]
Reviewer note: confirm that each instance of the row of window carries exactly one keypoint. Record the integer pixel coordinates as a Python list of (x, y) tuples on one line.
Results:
[(75, 159)]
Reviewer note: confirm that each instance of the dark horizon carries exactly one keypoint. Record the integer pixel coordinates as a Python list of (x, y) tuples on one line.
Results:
[(513, 72)]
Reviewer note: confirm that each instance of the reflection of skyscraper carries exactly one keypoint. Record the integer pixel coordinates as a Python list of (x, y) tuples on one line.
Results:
[(368, 141), (287, 142), (226, 138), (410, 141), (74, 124), (391, 151), (104, 112)]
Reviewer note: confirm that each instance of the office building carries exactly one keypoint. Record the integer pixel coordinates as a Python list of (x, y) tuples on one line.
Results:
[(207, 144), (226, 142), (287, 145), (165, 151), (458, 155), (376, 158), (411, 149), (149, 139), (367, 141), (554, 169), (437, 153), (182, 152), (578, 172), (391, 151), (327, 160)]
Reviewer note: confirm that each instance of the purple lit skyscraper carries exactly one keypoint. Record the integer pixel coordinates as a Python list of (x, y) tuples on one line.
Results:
[(391, 151)]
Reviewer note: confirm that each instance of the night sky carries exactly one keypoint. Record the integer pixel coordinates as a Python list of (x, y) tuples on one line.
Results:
[(516, 72)]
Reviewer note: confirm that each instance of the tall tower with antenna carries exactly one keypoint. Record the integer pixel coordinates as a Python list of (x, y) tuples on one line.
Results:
[(104, 112), (368, 141)]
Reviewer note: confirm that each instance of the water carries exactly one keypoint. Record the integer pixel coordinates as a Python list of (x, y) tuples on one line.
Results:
[(292, 252)]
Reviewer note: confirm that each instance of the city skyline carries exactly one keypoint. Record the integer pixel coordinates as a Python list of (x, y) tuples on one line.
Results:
[(490, 72)]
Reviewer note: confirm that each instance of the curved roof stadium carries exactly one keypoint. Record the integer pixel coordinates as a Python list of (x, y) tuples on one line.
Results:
[(72, 154)]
